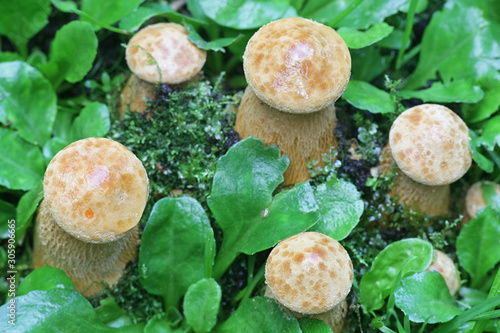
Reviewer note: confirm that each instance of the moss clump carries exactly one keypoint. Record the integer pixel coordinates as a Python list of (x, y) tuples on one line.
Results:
[(179, 138)]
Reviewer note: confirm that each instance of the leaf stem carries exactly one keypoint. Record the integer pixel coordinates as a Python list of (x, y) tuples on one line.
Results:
[(406, 36), (247, 291), (223, 260)]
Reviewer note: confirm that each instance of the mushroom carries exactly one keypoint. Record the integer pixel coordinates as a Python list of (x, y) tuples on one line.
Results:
[(159, 53), (443, 264), (475, 201), (95, 191), (296, 69), (310, 275), (429, 144)]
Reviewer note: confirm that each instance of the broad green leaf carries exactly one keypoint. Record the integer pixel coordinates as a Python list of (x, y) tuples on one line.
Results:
[(172, 253), (478, 248), (424, 297), (356, 39), (56, 310), (93, 121), (491, 8), (21, 20), (22, 163), (246, 14), (64, 6), (490, 195), (214, 45), (340, 207), (9, 56), (141, 14), (458, 91), (158, 324), (491, 133), (396, 260), (134, 20), (490, 104), (366, 14), (259, 315), (394, 41), (45, 278), (421, 6), (201, 305), (26, 208), (52, 147), (72, 53), (7, 213), (481, 160), (111, 314), (109, 11), (311, 325), (28, 100), (456, 51), (242, 203), (364, 96), (368, 63)]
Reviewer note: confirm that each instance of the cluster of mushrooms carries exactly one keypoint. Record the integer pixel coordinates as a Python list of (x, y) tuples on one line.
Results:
[(95, 190)]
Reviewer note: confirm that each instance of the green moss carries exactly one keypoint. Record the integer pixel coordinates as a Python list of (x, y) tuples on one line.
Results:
[(179, 138)]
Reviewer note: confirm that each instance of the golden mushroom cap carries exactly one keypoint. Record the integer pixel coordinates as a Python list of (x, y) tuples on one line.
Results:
[(162, 53), (309, 273), (96, 189), (430, 144), (474, 199), (297, 65)]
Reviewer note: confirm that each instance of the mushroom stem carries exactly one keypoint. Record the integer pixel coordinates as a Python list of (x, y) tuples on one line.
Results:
[(433, 200), (91, 266), (302, 137)]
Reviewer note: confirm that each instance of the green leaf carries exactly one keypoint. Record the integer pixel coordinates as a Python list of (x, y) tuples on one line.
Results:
[(56, 310), (311, 325), (9, 56), (22, 163), (45, 278), (7, 213), (158, 324), (246, 14), (134, 20), (366, 14), (394, 41), (110, 11), (364, 96), (396, 260), (241, 201), (458, 91), (52, 147), (424, 297), (490, 104), (454, 50), (26, 208), (259, 315), (368, 63), (27, 100), (340, 206), (356, 39), (93, 121), (72, 53), (21, 20), (217, 45), (172, 253), (478, 247), (490, 195), (201, 305)]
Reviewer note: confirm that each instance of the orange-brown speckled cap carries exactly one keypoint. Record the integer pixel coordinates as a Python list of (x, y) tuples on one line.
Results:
[(162, 53), (96, 189), (309, 273), (430, 144), (297, 65)]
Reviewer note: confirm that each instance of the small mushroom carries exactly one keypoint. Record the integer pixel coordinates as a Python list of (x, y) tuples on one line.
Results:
[(296, 69), (430, 145), (443, 264), (159, 53), (475, 201), (95, 191), (311, 274)]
